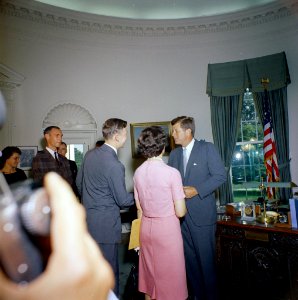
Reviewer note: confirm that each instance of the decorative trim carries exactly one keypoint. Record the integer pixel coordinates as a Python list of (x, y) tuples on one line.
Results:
[(69, 116), (60, 17), (8, 85), (9, 78)]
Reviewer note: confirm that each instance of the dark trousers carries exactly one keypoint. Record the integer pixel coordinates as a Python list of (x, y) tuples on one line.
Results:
[(199, 249), (110, 253)]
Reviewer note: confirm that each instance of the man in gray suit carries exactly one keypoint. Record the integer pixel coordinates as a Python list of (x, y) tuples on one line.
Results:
[(101, 183), (202, 172)]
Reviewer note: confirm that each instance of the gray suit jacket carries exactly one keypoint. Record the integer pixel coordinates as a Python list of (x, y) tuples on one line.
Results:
[(206, 172), (101, 183)]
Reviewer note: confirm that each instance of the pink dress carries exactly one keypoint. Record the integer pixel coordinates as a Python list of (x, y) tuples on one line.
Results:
[(161, 262)]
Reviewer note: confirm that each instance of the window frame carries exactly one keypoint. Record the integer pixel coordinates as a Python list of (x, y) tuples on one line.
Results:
[(251, 187)]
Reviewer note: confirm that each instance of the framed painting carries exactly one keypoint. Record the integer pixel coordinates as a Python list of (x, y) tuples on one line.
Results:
[(136, 129), (28, 153)]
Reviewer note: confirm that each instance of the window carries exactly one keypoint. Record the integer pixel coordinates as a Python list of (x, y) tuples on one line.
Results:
[(248, 159), (75, 152)]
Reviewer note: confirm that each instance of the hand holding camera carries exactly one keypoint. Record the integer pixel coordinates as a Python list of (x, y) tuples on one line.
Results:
[(76, 269), (24, 228)]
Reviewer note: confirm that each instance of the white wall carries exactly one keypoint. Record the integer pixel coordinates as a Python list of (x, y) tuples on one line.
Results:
[(137, 78)]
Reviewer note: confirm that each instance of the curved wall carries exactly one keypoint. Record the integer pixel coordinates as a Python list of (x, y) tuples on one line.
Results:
[(140, 71)]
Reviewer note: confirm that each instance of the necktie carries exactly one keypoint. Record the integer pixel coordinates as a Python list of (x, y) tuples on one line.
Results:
[(56, 158), (184, 159)]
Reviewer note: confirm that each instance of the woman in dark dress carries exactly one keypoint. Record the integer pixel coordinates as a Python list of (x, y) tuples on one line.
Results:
[(8, 165)]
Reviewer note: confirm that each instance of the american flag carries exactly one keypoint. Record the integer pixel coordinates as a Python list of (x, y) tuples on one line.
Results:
[(270, 158)]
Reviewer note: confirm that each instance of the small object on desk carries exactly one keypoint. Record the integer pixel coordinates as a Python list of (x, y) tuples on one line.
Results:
[(258, 209), (248, 212), (283, 218), (226, 218), (271, 217), (232, 209), (287, 224)]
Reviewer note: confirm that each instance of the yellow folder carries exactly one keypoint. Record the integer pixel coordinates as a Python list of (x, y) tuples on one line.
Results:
[(134, 240)]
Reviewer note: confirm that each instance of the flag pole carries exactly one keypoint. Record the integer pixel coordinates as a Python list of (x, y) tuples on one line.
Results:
[(265, 82)]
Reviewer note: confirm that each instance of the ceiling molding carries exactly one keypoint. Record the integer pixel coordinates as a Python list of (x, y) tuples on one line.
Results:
[(156, 9), (117, 26)]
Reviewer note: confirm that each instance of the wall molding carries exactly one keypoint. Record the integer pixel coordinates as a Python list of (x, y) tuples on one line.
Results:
[(9, 78), (70, 116), (47, 15)]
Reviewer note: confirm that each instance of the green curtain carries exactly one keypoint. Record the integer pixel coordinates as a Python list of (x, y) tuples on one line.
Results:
[(225, 83), (232, 78), (225, 120), (280, 123)]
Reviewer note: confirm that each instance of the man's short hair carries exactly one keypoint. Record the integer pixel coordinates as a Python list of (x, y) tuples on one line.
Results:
[(112, 126), (48, 129), (63, 143), (99, 143), (185, 123)]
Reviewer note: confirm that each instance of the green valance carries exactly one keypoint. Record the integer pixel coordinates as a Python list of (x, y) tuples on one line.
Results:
[(232, 78)]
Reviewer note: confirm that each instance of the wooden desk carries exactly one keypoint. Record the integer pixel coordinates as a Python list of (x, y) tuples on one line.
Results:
[(256, 261)]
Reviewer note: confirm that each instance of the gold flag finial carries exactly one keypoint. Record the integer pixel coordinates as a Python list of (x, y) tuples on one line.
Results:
[(265, 82)]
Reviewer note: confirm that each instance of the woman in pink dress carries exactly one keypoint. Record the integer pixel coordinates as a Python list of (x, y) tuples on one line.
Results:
[(160, 202)]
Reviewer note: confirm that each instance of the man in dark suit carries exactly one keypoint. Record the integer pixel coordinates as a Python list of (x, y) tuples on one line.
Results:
[(62, 150), (202, 172), (49, 159), (101, 183)]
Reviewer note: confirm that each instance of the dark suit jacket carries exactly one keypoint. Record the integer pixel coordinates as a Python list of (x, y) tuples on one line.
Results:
[(73, 169), (206, 172), (101, 183), (74, 172), (44, 162)]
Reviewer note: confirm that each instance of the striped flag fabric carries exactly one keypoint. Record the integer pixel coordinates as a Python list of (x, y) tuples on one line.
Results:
[(270, 159)]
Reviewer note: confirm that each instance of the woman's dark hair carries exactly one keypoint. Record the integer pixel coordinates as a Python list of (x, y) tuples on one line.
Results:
[(152, 141), (7, 152)]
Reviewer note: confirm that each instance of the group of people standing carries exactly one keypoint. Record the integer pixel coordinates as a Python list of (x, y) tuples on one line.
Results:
[(52, 158), (177, 256), (175, 202)]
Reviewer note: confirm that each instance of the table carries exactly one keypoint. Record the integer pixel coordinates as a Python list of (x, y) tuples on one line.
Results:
[(256, 261)]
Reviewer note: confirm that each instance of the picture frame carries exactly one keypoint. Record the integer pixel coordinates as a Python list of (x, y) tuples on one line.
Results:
[(248, 212), (28, 153), (136, 129)]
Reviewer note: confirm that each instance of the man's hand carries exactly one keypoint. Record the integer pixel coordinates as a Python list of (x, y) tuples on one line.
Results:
[(190, 191)]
